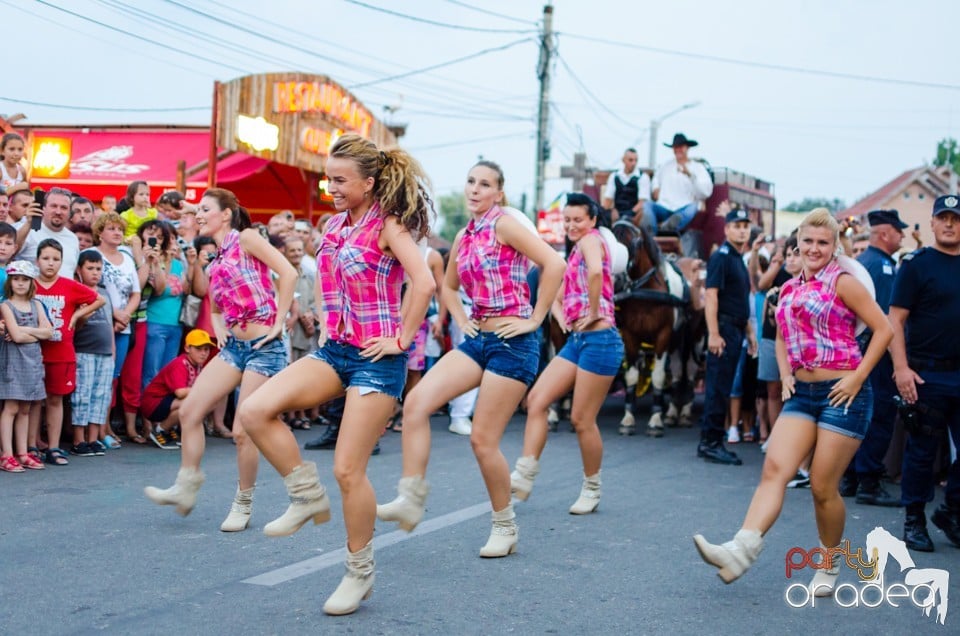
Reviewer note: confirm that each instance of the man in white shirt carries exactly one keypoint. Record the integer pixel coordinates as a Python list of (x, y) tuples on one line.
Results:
[(56, 212), (679, 186), (627, 190)]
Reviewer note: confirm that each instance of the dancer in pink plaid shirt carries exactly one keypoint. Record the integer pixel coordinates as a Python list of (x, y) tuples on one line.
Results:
[(499, 354), (383, 209)]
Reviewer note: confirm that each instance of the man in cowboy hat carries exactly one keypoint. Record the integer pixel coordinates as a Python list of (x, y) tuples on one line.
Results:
[(679, 186)]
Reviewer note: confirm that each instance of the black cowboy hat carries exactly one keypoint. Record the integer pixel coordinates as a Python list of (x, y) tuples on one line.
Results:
[(681, 140)]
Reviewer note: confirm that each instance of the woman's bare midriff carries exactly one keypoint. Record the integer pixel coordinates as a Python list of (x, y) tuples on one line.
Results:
[(600, 325), (252, 332), (493, 323), (821, 375)]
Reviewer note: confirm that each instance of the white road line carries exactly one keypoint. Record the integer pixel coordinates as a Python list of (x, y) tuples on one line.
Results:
[(337, 557)]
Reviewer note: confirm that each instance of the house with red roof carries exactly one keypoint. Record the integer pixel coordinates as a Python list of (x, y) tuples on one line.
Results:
[(912, 194)]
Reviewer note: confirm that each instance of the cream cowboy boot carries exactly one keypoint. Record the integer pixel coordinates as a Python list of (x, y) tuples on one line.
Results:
[(240, 510), (356, 585), (589, 496), (503, 535), (733, 557), (183, 493), (308, 500), (521, 479), (408, 507)]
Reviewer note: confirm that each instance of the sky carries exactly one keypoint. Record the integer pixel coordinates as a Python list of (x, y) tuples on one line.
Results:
[(825, 98)]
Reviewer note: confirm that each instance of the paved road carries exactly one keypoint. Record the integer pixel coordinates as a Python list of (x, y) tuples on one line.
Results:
[(82, 551)]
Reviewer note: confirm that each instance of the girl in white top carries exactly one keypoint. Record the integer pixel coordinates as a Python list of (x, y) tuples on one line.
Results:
[(11, 154)]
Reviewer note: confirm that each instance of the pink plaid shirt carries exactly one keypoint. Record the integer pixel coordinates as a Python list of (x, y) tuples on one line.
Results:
[(241, 286), (576, 291), (359, 284), (493, 275), (818, 329)]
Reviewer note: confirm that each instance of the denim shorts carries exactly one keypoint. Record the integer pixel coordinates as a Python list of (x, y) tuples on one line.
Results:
[(811, 401), (599, 352), (388, 375), (516, 358), (268, 360)]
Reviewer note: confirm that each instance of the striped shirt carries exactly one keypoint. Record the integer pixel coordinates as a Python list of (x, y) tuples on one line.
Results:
[(817, 327), (241, 286), (576, 286), (493, 275), (359, 284)]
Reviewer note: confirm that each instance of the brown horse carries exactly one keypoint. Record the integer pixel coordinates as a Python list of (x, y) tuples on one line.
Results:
[(654, 309)]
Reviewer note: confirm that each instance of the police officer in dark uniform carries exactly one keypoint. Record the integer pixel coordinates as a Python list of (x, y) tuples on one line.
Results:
[(726, 312), (925, 312), (863, 475)]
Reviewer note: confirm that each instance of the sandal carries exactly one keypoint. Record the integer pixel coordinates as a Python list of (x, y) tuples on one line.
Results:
[(10, 465), (748, 436), (300, 424), (29, 461), (33, 450), (56, 457), (137, 439), (396, 423)]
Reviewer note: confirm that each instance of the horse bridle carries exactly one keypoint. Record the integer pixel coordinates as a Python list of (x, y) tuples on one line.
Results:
[(636, 243)]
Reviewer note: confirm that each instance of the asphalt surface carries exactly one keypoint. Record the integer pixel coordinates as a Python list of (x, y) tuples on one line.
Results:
[(83, 551)]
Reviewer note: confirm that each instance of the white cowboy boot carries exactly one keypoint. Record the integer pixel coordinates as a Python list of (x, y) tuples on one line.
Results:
[(408, 507), (503, 535), (183, 493), (589, 496), (308, 500), (356, 585), (824, 581), (240, 510), (733, 557), (521, 479)]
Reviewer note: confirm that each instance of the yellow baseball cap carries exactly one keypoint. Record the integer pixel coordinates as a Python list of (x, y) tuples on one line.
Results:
[(199, 338)]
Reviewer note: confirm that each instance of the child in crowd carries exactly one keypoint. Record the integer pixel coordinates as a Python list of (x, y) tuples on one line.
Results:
[(84, 235), (8, 247), (139, 210), (67, 301), (21, 364), (95, 358), (11, 156), (162, 398)]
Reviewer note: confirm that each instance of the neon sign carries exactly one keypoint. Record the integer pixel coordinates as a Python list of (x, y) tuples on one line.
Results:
[(51, 158), (322, 97)]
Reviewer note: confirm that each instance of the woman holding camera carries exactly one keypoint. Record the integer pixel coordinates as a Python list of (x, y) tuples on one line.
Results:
[(164, 281), (827, 399)]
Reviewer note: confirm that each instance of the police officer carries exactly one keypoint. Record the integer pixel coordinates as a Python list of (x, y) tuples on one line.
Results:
[(727, 313), (925, 312), (863, 475), (627, 190)]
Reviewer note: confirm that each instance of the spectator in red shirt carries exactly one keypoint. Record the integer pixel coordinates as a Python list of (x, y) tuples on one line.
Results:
[(67, 302), (162, 398)]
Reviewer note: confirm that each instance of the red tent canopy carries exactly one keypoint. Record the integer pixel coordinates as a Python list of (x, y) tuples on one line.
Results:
[(104, 161)]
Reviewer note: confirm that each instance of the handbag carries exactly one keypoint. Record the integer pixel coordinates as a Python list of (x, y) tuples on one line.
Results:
[(190, 310)]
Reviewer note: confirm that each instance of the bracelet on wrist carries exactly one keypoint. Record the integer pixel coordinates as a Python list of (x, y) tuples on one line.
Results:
[(400, 345)]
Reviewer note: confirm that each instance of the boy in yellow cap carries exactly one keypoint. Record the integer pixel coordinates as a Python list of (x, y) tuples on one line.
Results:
[(161, 399)]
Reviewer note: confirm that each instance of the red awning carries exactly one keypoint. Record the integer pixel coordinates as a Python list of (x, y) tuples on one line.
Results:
[(104, 161)]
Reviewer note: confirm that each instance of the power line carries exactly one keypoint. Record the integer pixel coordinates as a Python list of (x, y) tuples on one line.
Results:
[(434, 67), (764, 65), (140, 37), (445, 25), (493, 13), (177, 109), (586, 90), (464, 142)]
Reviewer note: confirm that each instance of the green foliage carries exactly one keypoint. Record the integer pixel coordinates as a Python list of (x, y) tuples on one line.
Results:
[(453, 212), (809, 203), (948, 154)]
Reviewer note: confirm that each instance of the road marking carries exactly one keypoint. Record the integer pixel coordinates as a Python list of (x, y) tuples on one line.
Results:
[(337, 557)]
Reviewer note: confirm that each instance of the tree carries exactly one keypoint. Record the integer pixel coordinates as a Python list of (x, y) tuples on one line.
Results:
[(809, 203), (453, 215), (948, 154)]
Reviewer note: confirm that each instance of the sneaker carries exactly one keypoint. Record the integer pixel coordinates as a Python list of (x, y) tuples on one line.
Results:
[(763, 447), (82, 450), (174, 436), (97, 447), (461, 425), (802, 480), (159, 437), (733, 435)]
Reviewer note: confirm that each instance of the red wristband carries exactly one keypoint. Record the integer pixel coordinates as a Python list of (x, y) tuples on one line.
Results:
[(400, 346)]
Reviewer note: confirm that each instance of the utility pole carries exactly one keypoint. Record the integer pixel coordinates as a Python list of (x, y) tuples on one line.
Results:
[(543, 114)]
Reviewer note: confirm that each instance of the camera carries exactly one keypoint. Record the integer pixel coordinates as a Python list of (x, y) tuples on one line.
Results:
[(181, 243), (152, 241), (909, 414)]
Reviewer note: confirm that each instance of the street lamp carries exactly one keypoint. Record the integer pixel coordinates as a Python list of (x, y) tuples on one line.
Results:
[(655, 125)]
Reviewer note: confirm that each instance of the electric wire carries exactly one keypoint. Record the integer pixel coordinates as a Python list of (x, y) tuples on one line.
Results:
[(109, 109), (445, 25)]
